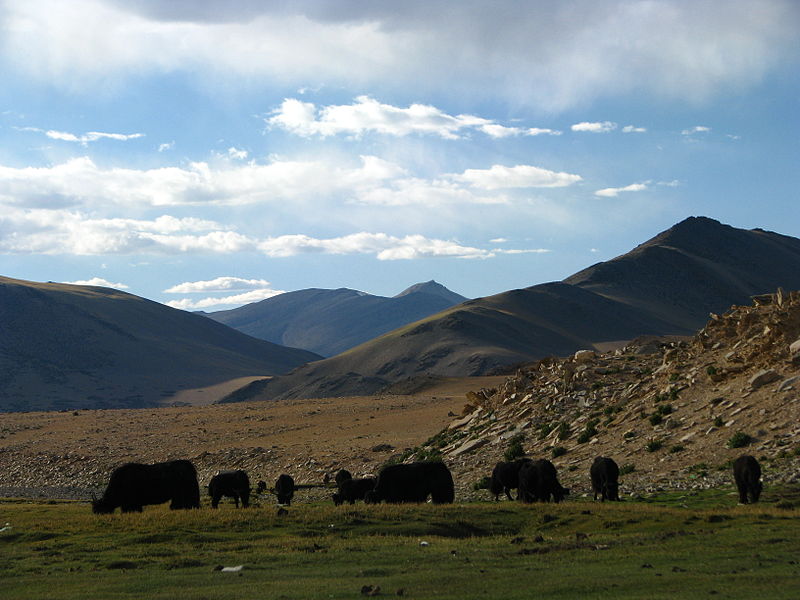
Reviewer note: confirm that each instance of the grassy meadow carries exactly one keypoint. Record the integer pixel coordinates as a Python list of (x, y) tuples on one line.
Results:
[(673, 546)]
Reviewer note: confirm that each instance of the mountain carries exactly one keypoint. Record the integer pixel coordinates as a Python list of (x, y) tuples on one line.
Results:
[(668, 285), (66, 346), (329, 322)]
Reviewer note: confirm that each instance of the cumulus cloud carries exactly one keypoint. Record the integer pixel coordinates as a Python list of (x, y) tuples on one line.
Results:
[(214, 302), (99, 282), (596, 127), (520, 176), (166, 146), (614, 192), (44, 231), (633, 129), (237, 153), (251, 290), (683, 50), (219, 284)]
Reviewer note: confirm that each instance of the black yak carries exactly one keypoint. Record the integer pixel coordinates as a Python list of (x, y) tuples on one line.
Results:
[(413, 482), (351, 490), (233, 484), (747, 474), (505, 477), (342, 475), (604, 474), (284, 489), (133, 485), (538, 482)]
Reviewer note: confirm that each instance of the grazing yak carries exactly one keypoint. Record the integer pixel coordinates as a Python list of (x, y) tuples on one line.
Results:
[(413, 482), (604, 474), (505, 477), (133, 485), (284, 489), (538, 482), (351, 490), (233, 484), (342, 475), (747, 474)]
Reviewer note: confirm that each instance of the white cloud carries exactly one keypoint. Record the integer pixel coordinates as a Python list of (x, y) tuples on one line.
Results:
[(499, 240), (236, 153), (614, 192), (520, 176), (596, 127), (533, 131), (99, 282), (367, 115), (166, 146), (633, 129), (696, 129), (683, 50), (86, 138), (219, 284), (212, 302)]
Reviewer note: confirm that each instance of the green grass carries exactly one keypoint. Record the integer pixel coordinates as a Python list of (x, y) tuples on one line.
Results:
[(674, 545)]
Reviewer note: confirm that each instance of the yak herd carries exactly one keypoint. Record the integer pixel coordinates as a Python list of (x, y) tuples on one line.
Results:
[(134, 485)]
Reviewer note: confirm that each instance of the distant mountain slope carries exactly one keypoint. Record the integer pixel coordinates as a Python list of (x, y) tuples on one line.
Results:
[(667, 285), (331, 321), (66, 346)]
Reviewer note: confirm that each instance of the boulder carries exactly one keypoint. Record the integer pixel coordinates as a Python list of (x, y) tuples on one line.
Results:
[(763, 377), (794, 347), (584, 356)]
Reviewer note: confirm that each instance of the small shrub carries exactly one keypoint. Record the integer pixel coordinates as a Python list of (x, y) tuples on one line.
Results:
[(664, 409), (674, 376), (563, 431), (482, 484), (719, 422), (515, 449), (545, 429), (558, 451), (740, 440), (629, 435), (711, 370), (654, 445), (627, 468), (676, 448), (673, 394), (656, 419)]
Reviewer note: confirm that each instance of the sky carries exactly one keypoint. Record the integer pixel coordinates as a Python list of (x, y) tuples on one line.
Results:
[(209, 154)]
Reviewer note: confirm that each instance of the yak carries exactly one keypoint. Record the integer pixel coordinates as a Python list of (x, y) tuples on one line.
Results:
[(538, 482), (233, 484), (604, 474), (342, 475), (747, 474), (413, 482), (133, 485), (351, 490), (505, 477), (284, 489)]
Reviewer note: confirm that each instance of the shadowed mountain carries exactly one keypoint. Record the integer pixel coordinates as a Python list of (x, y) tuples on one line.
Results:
[(66, 346), (667, 285), (329, 322)]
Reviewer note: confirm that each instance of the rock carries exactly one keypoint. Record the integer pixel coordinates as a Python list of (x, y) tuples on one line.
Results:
[(794, 347), (764, 377), (787, 384), (469, 446), (584, 356)]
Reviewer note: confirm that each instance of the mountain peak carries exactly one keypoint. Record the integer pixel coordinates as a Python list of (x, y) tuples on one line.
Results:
[(433, 288)]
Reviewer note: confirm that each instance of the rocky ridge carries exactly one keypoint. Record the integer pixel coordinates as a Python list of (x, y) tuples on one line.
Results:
[(673, 412)]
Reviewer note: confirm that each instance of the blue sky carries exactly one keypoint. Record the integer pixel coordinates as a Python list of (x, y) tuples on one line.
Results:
[(208, 154)]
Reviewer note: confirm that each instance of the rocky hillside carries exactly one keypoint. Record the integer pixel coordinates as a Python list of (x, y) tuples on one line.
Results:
[(672, 412), (667, 285)]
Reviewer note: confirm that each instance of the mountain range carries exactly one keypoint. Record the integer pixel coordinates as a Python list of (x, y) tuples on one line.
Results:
[(667, 285), (329, 322), (67, 346)]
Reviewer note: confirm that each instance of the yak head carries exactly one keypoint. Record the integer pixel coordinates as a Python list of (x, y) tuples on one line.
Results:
[(100, 507)]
